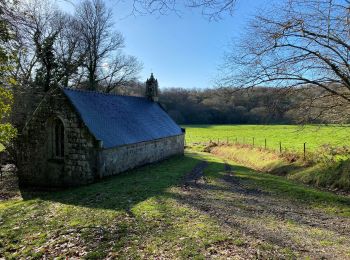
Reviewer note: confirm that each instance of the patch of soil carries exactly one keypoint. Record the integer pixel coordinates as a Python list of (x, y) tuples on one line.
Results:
[(195, 176), (78, 242), (237, 184), (209, 147), (229, 250)]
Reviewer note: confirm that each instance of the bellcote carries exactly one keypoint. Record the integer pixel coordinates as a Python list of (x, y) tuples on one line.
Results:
[(152, 88)]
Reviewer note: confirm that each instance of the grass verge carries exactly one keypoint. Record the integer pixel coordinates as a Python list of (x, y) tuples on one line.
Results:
[(333, 174)]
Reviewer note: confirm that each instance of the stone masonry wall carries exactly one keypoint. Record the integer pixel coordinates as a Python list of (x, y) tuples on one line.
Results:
[(115, 160), (36, 165), (84, 161)]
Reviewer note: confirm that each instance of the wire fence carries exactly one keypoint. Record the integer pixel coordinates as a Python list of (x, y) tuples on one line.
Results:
[(275, 146)]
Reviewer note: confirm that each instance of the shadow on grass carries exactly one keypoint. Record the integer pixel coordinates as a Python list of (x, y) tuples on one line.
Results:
[(291, 189), (130, 188), (288, 210), (333, 175), (236, 203), (241, 203), (124, 190), (284, 170)]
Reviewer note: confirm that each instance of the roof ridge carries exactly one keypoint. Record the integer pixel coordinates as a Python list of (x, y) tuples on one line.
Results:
[(100, 93)]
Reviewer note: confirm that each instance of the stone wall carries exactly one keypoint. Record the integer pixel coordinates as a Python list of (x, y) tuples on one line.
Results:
[(84, 160), (115, 160), (36, 165)]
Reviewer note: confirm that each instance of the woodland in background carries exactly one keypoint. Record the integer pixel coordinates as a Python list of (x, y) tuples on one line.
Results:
[(258, 105)]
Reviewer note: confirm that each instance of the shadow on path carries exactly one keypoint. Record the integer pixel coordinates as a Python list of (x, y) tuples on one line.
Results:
[(264, 217)]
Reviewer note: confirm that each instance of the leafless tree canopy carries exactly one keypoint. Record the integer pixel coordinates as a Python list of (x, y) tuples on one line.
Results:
[(79, 50), (53, 48), (304, 42), (213, 9), (105, 65)]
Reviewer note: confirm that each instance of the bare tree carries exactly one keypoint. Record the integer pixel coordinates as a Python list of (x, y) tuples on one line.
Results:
[(105, 65), (42, 47), (70, 53), (303, 42), (36, 25), (213, 9)]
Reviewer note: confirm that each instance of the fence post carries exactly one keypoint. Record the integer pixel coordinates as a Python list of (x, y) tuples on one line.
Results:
[(304, 151), (280, 147), (265, 143)]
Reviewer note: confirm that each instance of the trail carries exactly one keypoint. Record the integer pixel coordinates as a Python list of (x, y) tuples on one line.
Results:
[(282, 227)]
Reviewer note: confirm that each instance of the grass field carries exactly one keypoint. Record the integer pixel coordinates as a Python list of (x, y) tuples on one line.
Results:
[(230, 211), (291, 137)]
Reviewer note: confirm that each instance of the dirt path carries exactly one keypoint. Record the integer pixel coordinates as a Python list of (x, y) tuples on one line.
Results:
[(293, 211), (195, 176), (268, 226)]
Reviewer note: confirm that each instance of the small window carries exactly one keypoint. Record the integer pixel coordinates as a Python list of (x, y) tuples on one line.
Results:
[(58, 139)]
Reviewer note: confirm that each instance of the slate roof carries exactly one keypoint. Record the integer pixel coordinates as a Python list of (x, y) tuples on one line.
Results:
[(120, 120)]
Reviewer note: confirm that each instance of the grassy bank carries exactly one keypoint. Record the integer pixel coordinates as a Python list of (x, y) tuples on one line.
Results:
[(292, 137), (332, 174)]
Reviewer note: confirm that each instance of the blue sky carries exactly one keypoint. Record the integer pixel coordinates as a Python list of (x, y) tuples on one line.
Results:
[(181, 51)]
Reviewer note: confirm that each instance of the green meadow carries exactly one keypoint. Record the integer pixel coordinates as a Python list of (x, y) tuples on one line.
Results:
[(292, 137)]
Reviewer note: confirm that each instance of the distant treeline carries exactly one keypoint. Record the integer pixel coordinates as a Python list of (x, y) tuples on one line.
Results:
[(224, 106), (259, 105)]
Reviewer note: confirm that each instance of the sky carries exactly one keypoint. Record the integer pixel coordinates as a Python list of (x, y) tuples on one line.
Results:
[(181, 50)]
